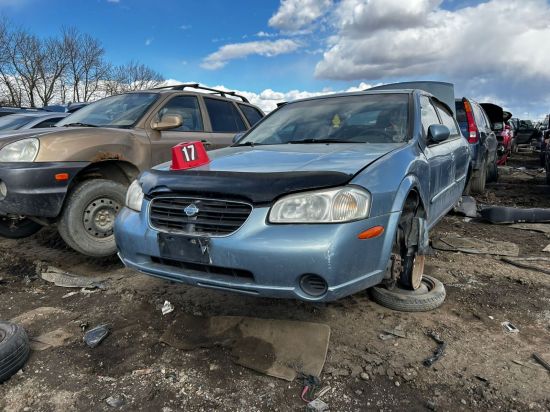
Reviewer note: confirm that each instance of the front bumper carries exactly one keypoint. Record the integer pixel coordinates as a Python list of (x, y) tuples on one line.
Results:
[(275, 255), (32, 189)]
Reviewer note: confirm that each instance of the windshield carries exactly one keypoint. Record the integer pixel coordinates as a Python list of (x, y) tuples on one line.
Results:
[(14, 121), (368, 118), (116, 111)]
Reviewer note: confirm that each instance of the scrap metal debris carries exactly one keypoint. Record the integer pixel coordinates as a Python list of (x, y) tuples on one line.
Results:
[(69, 280), (534, 227), (317, 405), (476, 246), (167, 308), (509, 327), (441, 345), (96, 335), (279, 348), (311, 383), (466, 206), (540, 264), (540, 360)]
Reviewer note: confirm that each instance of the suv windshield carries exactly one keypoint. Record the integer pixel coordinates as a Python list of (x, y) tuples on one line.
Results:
[(116, 111), (368, 118)]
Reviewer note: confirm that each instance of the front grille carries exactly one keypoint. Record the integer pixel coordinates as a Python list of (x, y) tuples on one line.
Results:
[(209, 217), (209, 269)]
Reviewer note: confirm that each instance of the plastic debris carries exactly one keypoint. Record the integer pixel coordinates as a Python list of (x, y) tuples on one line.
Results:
[(68, 280), (438, 352), (167, 308), (115, 401), (317, 405), (466, 206), (509, 327), (96, 335)]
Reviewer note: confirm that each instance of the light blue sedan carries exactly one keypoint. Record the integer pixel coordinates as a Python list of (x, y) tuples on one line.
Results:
[(323, 198)]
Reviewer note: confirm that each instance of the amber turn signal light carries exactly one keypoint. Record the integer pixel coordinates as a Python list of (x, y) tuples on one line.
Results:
[(372, 232), (61, 177)]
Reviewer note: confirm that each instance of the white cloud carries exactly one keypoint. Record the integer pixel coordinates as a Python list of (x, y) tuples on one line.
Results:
[(295, 15), (113, 1), (148, 41), (267, 48), (267, 99), (266, 34), (185, 26)]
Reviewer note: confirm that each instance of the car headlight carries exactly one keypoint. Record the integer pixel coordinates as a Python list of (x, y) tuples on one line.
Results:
[(24, 150), (134, 196), (342, 204)]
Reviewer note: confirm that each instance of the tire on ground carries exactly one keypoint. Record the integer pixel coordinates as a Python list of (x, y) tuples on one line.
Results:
[(493, 172), (479, 178), (410, 302), (14, 349), (71, 225), (23, 228)]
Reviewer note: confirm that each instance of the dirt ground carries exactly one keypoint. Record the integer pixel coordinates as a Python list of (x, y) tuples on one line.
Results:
[(483, 368)]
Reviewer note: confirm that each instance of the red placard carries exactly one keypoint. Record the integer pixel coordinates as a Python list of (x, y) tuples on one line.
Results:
[(188, 155)]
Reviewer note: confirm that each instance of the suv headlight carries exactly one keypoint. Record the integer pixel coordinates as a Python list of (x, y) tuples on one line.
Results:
[(342, 204), (24, 150), (134, 196)]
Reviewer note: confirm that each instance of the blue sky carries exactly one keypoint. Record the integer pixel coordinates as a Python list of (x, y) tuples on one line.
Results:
[(309, 46)]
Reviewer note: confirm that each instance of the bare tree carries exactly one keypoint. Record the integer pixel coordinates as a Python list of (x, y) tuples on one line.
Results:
[(10, 86), (86, 67), (52, 64), (25, 54)]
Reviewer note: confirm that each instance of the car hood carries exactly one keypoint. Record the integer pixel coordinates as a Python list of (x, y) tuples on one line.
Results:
[(348, 158), (57, 133)]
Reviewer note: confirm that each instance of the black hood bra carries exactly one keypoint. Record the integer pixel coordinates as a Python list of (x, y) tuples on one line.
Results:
[(256, 188)]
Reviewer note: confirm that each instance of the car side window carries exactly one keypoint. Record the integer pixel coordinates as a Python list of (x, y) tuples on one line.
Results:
[(188, 108), (252, 114), (447, 119), (224, 116), (429, 115)]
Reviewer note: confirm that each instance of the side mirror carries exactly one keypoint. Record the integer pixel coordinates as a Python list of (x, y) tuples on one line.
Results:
[(438, 133), (167, 122), (237, 137)]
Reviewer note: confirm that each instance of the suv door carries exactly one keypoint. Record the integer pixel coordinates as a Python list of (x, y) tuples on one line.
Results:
[(487, 137), (525, 132), (225, 121), (192, 128)]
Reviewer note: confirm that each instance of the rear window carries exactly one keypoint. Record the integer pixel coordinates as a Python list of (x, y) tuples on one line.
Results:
[(224, 116), (460, 112), (252, 114)]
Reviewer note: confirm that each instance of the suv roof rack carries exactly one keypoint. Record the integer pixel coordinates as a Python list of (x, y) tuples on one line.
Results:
[(222, 93)]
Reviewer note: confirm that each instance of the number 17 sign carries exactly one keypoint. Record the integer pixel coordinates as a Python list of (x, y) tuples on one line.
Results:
[(188, 155)]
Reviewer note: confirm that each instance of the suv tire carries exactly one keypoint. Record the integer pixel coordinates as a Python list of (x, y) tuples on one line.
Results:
[(14, 349), (493, 172), (479, 178), (88, 218)]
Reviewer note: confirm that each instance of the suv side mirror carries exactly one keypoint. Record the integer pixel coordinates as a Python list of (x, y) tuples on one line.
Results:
[(438, 133), (167, 122), (237, 137)]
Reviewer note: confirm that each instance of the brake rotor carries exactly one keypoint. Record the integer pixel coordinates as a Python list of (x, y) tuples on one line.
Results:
[(417, 271)]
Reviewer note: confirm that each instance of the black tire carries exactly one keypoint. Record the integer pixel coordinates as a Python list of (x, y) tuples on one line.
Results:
[(493, 172), (419, 300), (79, 225), (18, 228), (14, 349), (479, 179)]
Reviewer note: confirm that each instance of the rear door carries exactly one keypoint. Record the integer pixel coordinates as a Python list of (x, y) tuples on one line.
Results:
[(192, 128), (224, 121), (487, 136), (525, 132)]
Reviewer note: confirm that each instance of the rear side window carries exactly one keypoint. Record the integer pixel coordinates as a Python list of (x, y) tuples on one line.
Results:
[(479, 115), (252, 114), (188, 108), (447, 119), (429, 116), (224, 116)]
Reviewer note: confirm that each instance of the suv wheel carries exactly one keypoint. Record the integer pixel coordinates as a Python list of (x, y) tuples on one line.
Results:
[(88, 218), (479, 178)]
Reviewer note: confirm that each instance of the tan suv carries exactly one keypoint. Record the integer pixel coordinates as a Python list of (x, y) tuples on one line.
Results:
[(76, 175)]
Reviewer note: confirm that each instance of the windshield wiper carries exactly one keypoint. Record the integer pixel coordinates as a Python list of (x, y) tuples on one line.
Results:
[(251, 144), (305, 141), (79, 125)]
